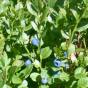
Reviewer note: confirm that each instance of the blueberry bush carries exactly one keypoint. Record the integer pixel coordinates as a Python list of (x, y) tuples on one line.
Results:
[(43, 44)]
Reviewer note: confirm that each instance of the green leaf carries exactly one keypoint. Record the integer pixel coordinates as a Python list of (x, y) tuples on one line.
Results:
[(26, 72), (64, 46), (44, 14), (73, 84), (66, 3), (44, 73), (79, 73), (64, 76), (38, 3), (85, 15), (6, 86), (43, 86), (86, 2), (86, 60), (2, 43), (64, 35), (34, 76), (18, 63), (5, 61), (83, 28), (30, 9), (75, 14), (51, 3), (34, 25), (62, 12), (24, 84), (11, 71), (49, 18), (45, 52), (1, 80), (83, 82), (19, 6), (16, 80), (71, 49)]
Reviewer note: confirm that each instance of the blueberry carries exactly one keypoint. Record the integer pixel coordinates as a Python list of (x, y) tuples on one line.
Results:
[(65, 54), (28, 62), (35, 41), (44, 80), (57, 63)]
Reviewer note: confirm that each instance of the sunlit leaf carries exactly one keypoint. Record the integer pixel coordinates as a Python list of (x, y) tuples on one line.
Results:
[(45, 52), (83, 82), (80, 72), (75, 14), (30, 9), (83, 28), (16, 80), (71, 49), (64, 35), (34, 76)]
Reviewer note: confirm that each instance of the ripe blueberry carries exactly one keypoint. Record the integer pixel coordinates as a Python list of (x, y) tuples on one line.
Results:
[(35, 41), (27, 62), (57, 63), (44, 80)]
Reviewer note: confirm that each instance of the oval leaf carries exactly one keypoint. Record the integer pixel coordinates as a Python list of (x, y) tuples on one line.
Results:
[(64, 35), (45, 52), (83, 28), (71, 49), (80, 72), (16, 80), (30, 9), (34, 76)]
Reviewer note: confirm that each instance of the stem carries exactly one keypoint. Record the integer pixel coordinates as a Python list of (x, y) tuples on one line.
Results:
[(75, 28), (29, 55), (74, 31), (84, 42), (39, 47), (27, 51), (41, 61)]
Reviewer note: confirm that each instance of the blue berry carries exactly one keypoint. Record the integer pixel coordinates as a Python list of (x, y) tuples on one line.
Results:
[(35, 41), (65, 54), (44, 80), (28, 62), (57, 63)]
